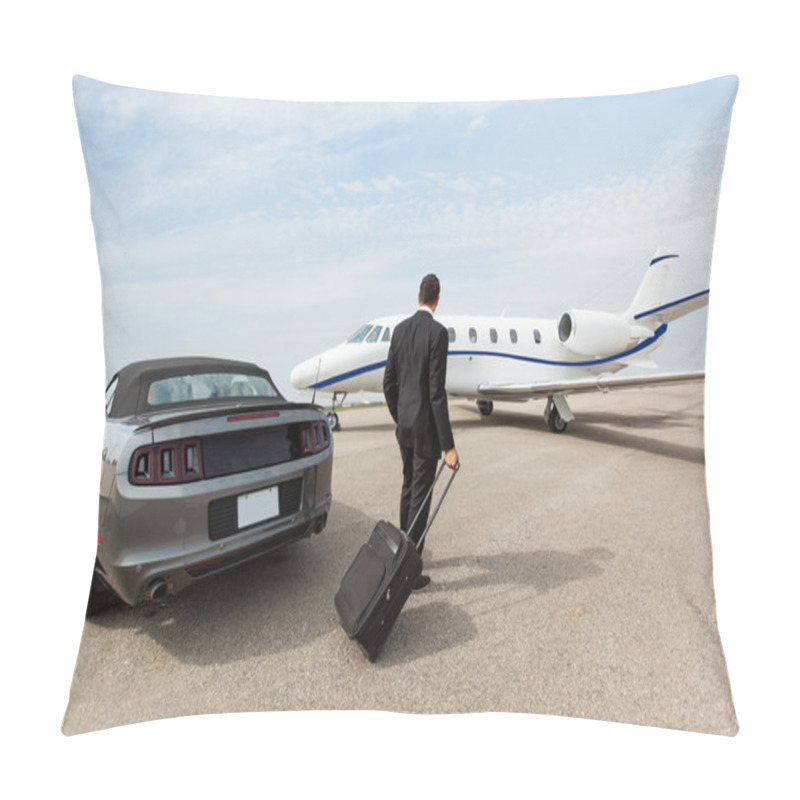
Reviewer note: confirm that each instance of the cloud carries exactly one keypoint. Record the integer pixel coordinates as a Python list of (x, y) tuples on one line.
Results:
[(477, 124), (239, 217)]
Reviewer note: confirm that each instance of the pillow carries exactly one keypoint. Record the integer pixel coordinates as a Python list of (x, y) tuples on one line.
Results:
[(571, 573)]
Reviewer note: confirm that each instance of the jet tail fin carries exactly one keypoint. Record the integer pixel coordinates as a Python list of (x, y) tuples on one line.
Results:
[(656, 301)]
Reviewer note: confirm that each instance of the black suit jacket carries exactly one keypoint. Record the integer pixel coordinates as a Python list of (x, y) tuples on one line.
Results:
[(413, 384)]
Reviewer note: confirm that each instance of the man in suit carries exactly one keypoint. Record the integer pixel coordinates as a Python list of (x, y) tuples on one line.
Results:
[(413, 385)]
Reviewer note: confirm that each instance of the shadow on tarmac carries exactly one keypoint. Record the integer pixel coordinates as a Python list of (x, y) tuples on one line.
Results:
[(439, 625), (284, 600), (542, 570), (628, 431), (276, 602), (607, 428)]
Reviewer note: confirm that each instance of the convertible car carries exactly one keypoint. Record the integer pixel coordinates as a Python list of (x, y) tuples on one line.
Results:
[(205, 465)]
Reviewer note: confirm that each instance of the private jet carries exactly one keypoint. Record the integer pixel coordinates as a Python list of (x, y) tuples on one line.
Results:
[(520, 358)]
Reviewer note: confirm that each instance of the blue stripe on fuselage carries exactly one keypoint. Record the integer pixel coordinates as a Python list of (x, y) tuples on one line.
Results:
[(347, 375), (660, 331)]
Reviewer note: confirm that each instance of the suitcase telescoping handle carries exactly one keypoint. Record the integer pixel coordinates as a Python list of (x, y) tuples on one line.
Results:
[(432, 517)]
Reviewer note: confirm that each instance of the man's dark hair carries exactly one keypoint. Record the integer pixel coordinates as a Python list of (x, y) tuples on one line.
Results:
[(429, 290)]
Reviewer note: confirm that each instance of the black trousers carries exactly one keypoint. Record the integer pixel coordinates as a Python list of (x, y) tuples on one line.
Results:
[(418, 477)]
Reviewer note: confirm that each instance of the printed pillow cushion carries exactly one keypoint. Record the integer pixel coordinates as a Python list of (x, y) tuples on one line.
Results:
[(572, 573)]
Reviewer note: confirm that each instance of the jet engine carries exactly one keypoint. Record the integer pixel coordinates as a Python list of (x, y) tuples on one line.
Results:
[(598, 333)]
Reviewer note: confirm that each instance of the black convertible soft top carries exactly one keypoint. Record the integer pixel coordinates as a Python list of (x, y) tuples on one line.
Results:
[(133, 381)]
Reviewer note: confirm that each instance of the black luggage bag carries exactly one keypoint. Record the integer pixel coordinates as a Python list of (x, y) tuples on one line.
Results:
[(375, 588)]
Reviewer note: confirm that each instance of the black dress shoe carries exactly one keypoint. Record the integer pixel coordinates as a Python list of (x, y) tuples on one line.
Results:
[(421, 582)]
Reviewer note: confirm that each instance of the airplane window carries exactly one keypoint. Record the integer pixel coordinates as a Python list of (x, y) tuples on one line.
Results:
[(360, 334), (537, 337), (387, 334), (473, 335), (493, 335), (513, 334), (451, 334), (375, 334)]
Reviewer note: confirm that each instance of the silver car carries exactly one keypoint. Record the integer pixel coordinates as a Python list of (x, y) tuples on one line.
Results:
[(205, 465)]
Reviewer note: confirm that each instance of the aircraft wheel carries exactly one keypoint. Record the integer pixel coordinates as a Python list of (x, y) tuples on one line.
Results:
[(485, 407), (333, 421), (555, 421)]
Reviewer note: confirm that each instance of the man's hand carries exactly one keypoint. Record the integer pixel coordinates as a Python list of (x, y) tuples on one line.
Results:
[(451, 458)]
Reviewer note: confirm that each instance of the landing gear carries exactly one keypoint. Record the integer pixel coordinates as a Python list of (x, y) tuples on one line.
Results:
[(555, 421), (333, 417), (485, 407), (557, 413)]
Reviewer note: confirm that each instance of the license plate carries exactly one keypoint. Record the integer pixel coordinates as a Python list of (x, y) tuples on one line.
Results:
[(257, 506)]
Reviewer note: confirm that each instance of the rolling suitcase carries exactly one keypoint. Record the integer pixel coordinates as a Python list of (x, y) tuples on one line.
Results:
[(375, 588)]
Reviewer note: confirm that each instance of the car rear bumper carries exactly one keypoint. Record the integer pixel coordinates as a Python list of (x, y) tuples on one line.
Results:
[(150, 545)]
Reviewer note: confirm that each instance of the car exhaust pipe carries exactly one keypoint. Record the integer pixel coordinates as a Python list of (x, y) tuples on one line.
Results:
[(319, 526), (157, 590)]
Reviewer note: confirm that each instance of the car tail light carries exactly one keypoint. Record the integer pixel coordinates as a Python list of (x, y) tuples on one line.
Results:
[(141, 470), (190, 452), (168, 460), (314, 437), (162, 464)]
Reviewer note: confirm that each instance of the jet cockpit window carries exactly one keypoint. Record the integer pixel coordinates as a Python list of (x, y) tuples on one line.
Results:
[(387, 335), (360, 334), (375, 333)]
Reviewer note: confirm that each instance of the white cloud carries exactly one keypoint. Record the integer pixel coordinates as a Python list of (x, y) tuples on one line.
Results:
[(243, 217), (476, 124)]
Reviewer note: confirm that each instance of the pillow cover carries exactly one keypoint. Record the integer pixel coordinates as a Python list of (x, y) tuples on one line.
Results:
[(572, 574)]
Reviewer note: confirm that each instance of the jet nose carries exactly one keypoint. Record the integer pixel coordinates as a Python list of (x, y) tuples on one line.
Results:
[(304, 374)]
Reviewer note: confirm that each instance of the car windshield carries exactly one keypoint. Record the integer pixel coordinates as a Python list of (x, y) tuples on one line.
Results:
[(209, 386)]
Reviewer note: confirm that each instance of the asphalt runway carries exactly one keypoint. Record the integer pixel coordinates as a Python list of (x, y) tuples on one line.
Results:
[(571, 575)]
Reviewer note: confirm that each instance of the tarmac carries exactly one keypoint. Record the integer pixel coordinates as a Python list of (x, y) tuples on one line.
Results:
[(571, 576)]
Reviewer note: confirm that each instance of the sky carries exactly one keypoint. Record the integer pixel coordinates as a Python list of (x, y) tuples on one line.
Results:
[(269, 230)]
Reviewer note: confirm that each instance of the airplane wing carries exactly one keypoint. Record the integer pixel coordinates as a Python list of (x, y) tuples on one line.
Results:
[(602, 383)]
